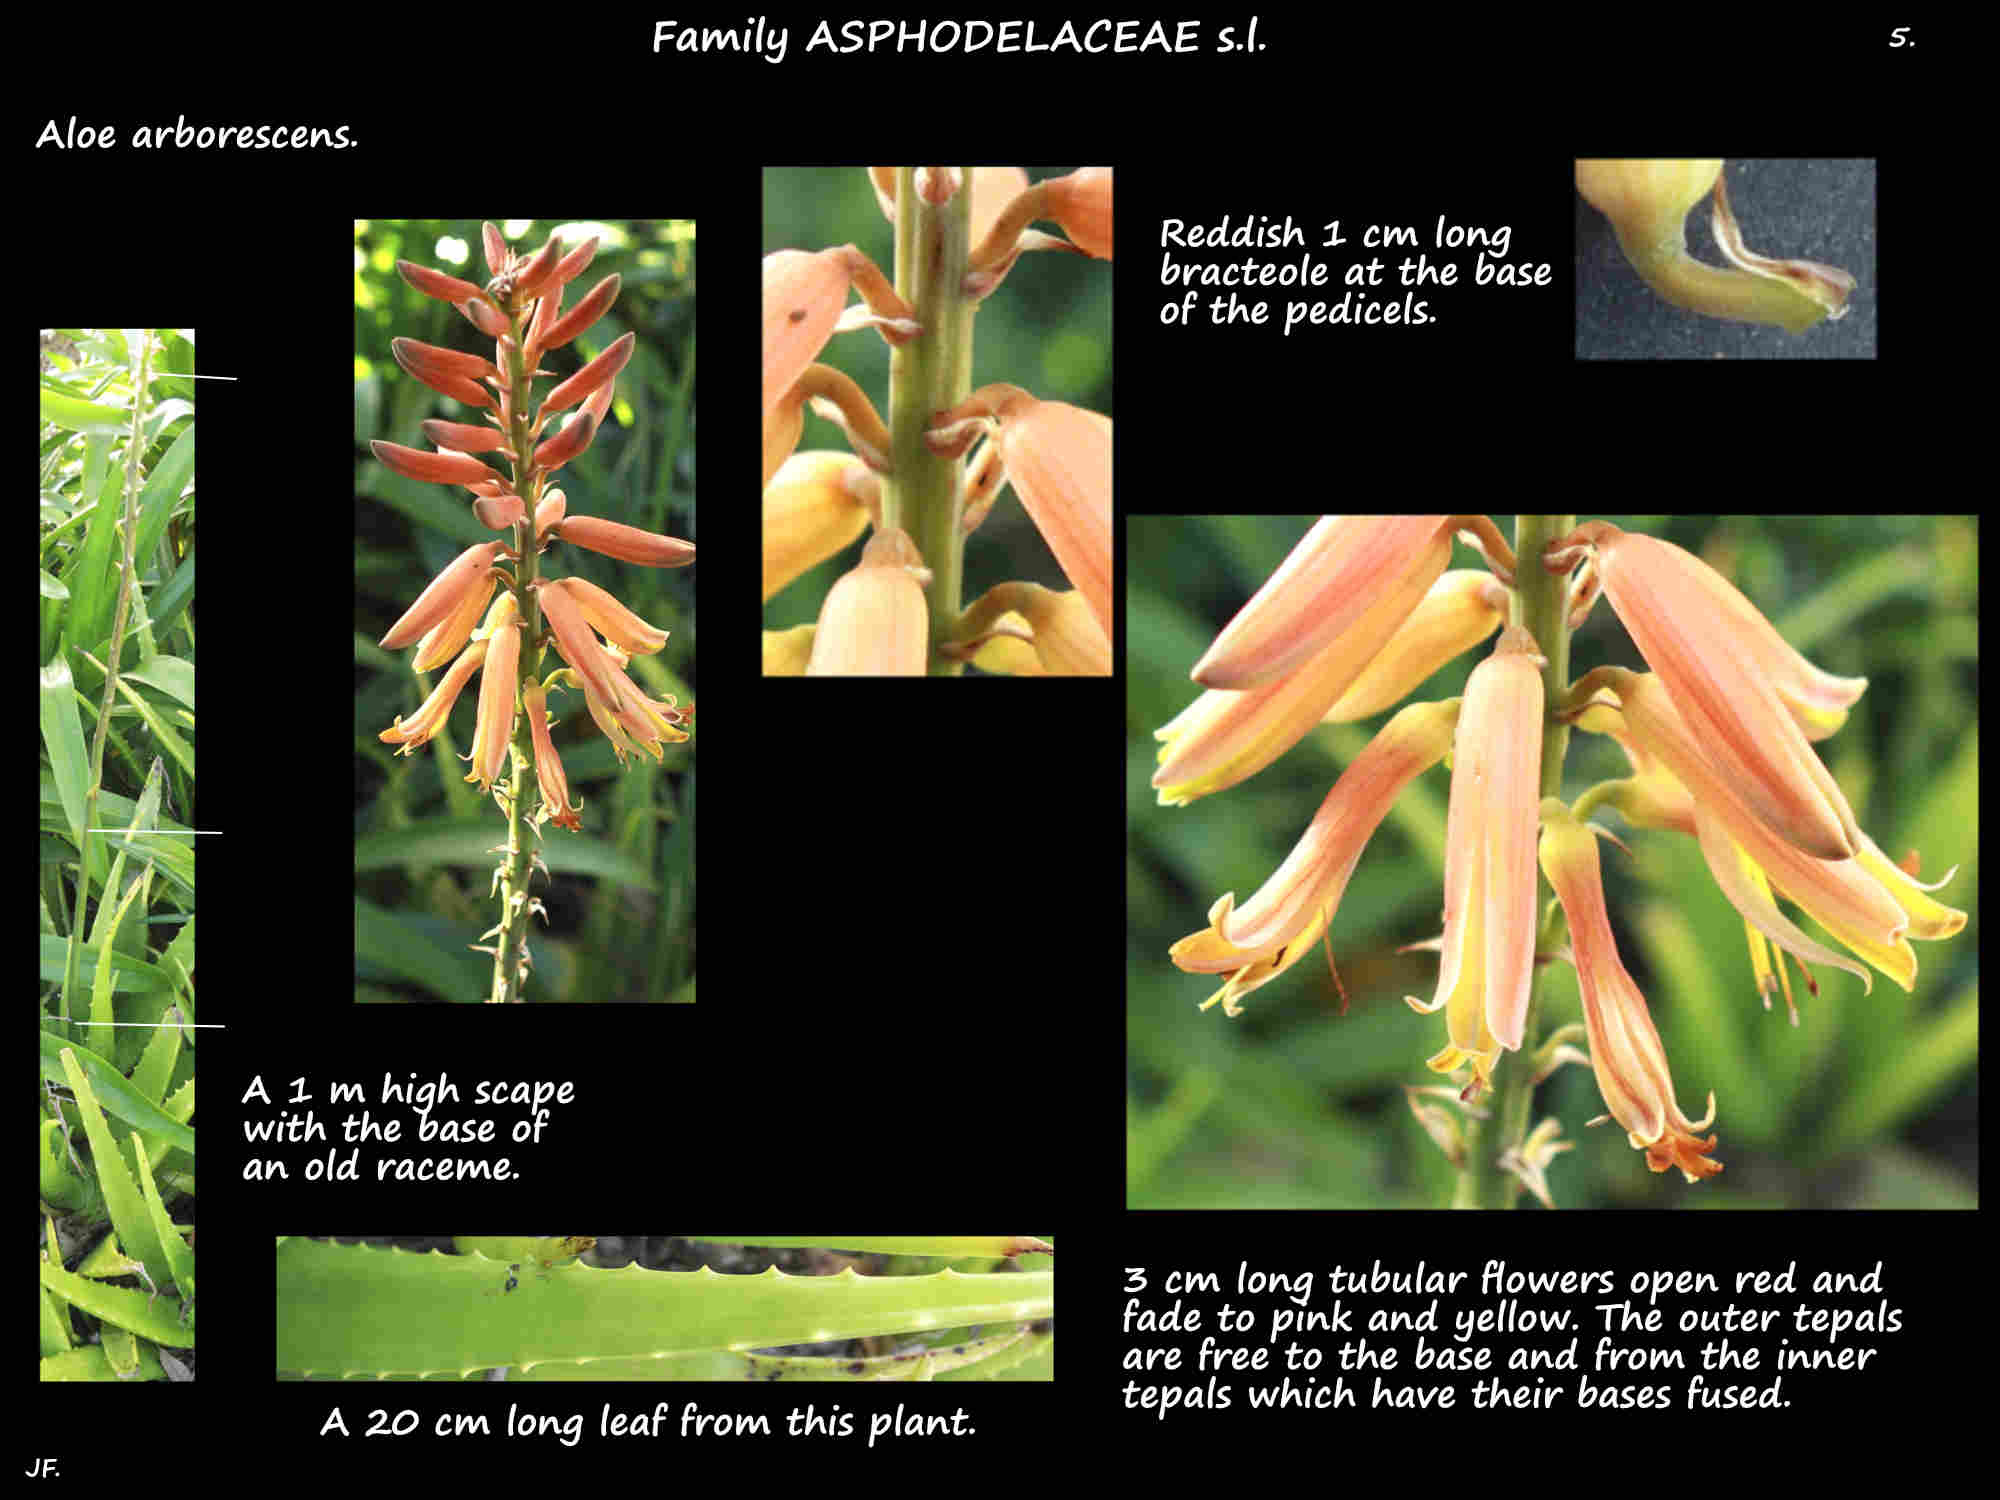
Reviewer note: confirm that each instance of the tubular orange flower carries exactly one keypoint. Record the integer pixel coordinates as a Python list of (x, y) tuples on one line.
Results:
[(548, 765), (1264, 936), (1332, 578), (875, 622), (499, 695), (1625, 1050), (1224, 737), (447, 638), (422, 725), (1688, 624), (1059, 458), (445, 593), (1489, 869), (611, 619), (1463, 607), (626, 543), (576, 643)]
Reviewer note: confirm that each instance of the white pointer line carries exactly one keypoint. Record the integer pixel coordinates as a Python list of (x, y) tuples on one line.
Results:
[(171, 832), (184, 1025)]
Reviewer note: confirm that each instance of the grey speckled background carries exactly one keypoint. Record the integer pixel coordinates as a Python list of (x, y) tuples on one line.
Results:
[(1789, 209)]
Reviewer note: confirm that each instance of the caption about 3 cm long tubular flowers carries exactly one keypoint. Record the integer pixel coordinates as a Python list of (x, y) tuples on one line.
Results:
[(1391, 272), (1410, 1337)]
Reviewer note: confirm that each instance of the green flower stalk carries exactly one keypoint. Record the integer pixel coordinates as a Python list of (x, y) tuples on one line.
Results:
[(492, 611)]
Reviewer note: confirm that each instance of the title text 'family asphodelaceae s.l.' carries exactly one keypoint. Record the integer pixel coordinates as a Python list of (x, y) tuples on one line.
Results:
[(915, 476), (1719, 732), (459, 620)]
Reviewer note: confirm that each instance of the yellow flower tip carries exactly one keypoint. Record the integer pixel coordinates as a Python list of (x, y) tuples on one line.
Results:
[(814, 507), (786, 652), (875, 621), (1326, 586), (1462, 608)]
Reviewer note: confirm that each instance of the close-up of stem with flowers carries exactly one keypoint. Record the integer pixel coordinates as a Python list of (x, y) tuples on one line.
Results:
[(495, 610), (1716, 732), (922, 473)]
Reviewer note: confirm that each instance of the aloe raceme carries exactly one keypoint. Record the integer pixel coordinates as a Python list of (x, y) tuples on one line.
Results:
[(491, 611)]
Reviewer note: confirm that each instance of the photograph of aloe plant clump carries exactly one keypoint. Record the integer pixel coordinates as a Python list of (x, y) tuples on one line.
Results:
[(525, 483), (117, 853), (665, 1307)]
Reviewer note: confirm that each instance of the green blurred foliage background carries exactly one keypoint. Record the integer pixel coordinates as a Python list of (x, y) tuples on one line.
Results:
[(621, 905), (1871, 1102), (1047, 329)]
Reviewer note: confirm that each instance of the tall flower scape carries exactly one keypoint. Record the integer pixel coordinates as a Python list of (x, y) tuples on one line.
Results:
[(959, 232), (490, 611), (1719, 733)]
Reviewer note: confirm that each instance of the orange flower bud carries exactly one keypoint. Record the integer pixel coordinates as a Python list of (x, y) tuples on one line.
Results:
[(530, 279), (434, 468), (626, 543), (549, 512), (573, 264), (484, 316), (435, 283), (565, 445), (445, 593), (498, 511), (591, 376), (463, 437), (445, 376), (596, 302)]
